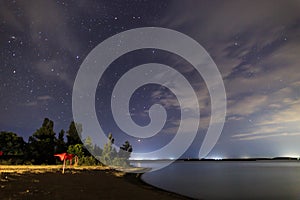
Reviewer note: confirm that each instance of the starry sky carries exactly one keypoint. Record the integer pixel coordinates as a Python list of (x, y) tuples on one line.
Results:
[(255, 45)]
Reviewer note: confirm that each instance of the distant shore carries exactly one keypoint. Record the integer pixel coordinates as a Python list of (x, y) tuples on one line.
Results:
[(225, 159), (47, 182)]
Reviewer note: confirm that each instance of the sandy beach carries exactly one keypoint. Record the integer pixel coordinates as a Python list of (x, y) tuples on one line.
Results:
[(47, 182)]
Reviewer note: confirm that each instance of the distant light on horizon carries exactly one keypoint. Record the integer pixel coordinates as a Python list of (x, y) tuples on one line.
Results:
[(155, 158), (139, 158), (218, 158), (215, 157), (245, 157), (292, 156)]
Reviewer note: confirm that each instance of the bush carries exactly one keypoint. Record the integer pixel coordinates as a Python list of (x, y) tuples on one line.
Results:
[(88, 160)]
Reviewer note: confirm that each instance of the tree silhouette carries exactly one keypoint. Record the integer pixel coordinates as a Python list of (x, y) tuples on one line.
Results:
[(108, 153), (74, 133), (126, 147), (11, 143), (60, 142), (42, 144), (125, 152)]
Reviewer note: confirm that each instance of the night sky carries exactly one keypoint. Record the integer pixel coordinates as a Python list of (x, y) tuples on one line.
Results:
[(255, 45)]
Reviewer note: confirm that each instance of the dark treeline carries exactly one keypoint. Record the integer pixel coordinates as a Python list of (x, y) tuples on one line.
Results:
[(44, 143)]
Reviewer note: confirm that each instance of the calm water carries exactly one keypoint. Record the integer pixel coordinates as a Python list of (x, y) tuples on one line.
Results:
[(229, 180)]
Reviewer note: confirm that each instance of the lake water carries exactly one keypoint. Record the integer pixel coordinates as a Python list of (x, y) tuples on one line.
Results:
[(228, 180)]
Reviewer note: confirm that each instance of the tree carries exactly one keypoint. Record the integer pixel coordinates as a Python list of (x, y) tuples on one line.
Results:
[(83, 159), (11, 144), (126, 147), (88, 146), (42, 144), (125, 152), (60, 143), (74, 134), (76, 149), (110, 156), (97, 151), (108, 153), (88, 143)]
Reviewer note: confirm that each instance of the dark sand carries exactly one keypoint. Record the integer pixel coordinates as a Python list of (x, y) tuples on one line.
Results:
[(83, 184)]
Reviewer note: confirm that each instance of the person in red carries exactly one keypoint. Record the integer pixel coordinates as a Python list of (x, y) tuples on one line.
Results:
[(1, 153)]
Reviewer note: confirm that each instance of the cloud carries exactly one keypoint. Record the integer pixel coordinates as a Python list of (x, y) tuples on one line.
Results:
[(256, 48), (234, 118), (30, 104), (283, 122), (40, 21), (255, 136), (9, 17), (188, 106), (189, 124), (287, 116), (168, 101), (48, 19), (226, 19), (40, 100), (247, 105), (54, 70), (259, 31), (44, 98), (256, 52)]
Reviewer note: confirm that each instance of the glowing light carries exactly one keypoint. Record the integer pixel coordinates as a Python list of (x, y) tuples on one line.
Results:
[(292, 156), (245, 157), (217, 158)]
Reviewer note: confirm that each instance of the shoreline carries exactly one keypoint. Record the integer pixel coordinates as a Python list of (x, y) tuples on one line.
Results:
[(137, 179), (163, 190), (84, 182)]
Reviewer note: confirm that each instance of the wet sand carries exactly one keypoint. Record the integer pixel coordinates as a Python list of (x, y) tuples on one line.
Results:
[(81, 183)]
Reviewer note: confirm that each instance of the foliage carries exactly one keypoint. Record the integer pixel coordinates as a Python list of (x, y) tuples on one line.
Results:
[(12, 147), (97, 151), (88, 143), (111, 157), (125, 152), (76, 149), (74, 134), (108, 153), (11, 143), (88, 146), (60, 143), (88, 160), (41, 144)]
